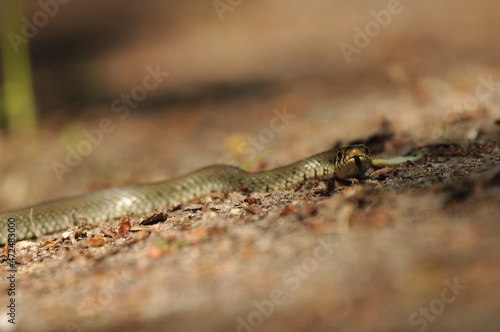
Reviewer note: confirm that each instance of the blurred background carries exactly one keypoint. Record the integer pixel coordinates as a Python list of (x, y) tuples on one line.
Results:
[(111, 92)]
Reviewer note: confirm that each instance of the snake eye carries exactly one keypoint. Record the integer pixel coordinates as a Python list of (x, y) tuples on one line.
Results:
[(366, 150), (339, 155)]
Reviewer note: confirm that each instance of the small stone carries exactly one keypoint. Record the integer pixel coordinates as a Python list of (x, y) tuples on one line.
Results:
[(235, 212)]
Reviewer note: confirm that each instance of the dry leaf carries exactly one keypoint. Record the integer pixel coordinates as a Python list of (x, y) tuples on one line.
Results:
[(124, 230), (96, 242)]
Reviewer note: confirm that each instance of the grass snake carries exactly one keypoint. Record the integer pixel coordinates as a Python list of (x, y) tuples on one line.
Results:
[(348, 162)]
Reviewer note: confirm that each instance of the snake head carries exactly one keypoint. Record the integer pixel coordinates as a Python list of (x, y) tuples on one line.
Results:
[(352, 161)]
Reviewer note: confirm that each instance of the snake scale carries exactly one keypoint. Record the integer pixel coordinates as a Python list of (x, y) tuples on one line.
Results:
[(100, 206)]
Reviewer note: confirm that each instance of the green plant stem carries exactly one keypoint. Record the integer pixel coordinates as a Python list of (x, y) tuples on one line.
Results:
[(19, 104)]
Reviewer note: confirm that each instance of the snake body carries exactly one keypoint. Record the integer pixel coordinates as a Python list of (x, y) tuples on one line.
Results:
[(100, 206)]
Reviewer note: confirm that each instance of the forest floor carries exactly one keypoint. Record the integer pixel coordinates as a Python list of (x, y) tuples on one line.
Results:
[(411, 247)]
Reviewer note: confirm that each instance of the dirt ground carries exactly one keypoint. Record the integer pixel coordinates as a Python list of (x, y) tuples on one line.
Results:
[(415, 247)]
